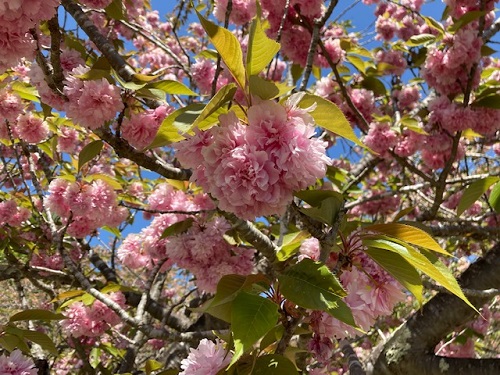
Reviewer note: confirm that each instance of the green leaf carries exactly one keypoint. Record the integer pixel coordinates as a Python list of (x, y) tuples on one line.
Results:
[(228, 47), (313, 286), (227, 289), (152, 365), (494, 199), (111, 181), (358, 63), (115, 10), (11, 342), (224, 95), (41, 339), (274, 364), (25, 91), (438, 273), (330, 117), (177, 228), (95, 357), (168, 133), (467, 18), (326, 213), (400, 269), (171, 87), (490, 101), (421, 39), (262, 88), (36, 314), (291, 243), (474, 192), (409, 234), (252, 317), (375, 85), (261, 49), (326, 204), (431, 22), (68, 294), (89, 152)]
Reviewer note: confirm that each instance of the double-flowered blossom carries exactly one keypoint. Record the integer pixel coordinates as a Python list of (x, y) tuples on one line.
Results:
[(93, 320), (91, 103), (253, 170), (141, 128), (90, 205), (17, 18), (207, 359), (17, 364), (201, 249)]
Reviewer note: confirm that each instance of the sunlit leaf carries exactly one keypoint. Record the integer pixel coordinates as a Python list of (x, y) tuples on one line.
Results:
[(313, 286), (400, 269), (420, 39), (224, 95), (291, 244), (474, 192), (261, 49), (330, 117), (171, 87), (252, 316), (494, 199), (228, 47), (25, 91), (408, 233), (436, 272)]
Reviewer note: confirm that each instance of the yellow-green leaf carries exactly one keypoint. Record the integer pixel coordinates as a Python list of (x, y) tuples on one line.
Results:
[(36, 314), (171, 87), (224, 95), (473, 192), (399, 268), (89, 152), (228, 47), (25, 91), (409, 234), (420, 39), (261, 49), (436, 272), (330, 117), (494, 199)]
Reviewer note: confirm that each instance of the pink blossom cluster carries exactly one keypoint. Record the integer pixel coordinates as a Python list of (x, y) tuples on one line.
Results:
[(207, 255), (400, 21), (207, 359), (91, 103), (253, 170), (17, 364), (13, 215), (436, 149), (460, 7), (203, 72), (395, 62), (141, 128), (93, 320), (407, 97), (377, 203), (371, 293), (17, 18), (242, 11), (201, 249), (89, 206), (53, 261), (381, 138), (295, 39), (447, 70)]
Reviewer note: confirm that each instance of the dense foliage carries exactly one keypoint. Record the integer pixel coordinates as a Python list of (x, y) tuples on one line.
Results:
[(249, 187)]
